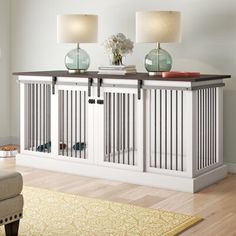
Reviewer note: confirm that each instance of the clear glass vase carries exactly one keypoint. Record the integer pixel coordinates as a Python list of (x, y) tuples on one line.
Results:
[(116, 59)]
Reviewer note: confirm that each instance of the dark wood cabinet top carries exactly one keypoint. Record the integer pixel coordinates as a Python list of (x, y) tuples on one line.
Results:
[(138, 76)]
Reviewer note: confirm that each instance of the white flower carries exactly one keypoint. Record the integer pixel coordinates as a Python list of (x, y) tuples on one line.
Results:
[(118, 44)]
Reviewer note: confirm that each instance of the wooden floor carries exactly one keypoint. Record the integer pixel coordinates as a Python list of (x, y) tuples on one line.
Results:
[(216, 204)]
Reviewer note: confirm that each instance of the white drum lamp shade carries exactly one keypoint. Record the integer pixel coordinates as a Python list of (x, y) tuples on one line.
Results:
[(77, 29), (158, 27)]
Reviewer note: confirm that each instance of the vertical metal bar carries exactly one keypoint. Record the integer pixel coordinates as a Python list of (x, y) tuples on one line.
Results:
[(200, 127), (165, 129), (123, 128), (59, 110), (176, 165), (67, 122), (29, 116), (213, 113), (133, 129), (109, 128), (108, 123), (42, 117), (59, 116), (26, 101), (121, 124), (208, 133), (46, 113), (76, 123), (128, 126), (171, 160), (44, 98), (155, 127), (160, 128), (49, 117), (182, 133), (211, 145), (105, 126), (114, 127), (204, 127), (210, 128), (85, 143), (215, 95), (33, 111), (40, 114), (71, 120), (50, 114), (80, 128), (118, 126), (46, 117), (36, 116), (197, 94), (62, 121)]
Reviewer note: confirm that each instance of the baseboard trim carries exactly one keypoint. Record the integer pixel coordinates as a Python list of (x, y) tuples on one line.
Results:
[(231, 167), (177, 183)]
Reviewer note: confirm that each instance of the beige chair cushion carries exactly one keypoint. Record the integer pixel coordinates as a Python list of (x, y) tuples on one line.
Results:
[(11, 184), (11, 209)]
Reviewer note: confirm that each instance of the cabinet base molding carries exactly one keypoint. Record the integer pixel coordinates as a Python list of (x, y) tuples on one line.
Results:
[(177, 183)]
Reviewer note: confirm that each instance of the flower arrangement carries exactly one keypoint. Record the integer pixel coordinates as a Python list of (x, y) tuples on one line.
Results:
[(118, 46)]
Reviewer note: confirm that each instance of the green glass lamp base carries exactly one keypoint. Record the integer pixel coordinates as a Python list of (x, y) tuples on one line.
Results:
[(77, 61), (158, 60)]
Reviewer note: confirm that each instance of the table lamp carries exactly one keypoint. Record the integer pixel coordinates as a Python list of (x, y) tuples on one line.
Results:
[(77, 29), (158, 27)]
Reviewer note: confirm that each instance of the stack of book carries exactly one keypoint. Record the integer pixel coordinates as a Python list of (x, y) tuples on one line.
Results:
[(117, 70)]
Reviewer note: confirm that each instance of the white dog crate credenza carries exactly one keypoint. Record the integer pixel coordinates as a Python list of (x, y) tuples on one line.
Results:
[(145, 130)]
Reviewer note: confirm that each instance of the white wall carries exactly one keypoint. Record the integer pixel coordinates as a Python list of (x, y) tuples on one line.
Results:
[(4, 72), (208, 42)]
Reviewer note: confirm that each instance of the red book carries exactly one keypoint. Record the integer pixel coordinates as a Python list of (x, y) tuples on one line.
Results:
[(177, 74)]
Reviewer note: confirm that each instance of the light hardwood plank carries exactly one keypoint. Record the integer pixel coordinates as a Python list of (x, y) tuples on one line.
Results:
[(216, 204)]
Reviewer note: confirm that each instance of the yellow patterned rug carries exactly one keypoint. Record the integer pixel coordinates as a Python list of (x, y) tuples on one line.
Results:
[(48, 213)]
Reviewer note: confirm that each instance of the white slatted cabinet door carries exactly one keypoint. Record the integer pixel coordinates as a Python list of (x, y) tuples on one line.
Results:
[(119, 129)]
